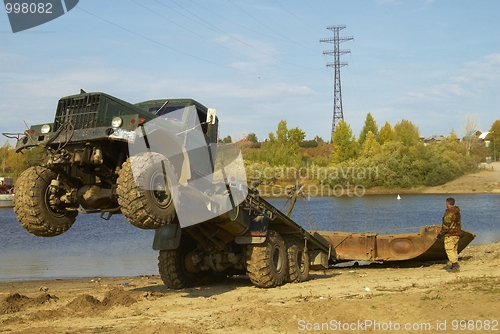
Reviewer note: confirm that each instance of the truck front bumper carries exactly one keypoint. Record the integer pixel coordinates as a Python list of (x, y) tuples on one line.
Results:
[(36, 138)]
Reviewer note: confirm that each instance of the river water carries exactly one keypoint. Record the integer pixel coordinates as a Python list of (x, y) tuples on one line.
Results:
[(93, 247)]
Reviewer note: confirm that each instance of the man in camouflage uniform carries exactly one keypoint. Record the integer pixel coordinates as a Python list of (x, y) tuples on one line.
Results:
[(451, 230)]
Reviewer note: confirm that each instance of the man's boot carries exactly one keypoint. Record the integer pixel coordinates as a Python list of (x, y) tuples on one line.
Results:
[(454, 267)]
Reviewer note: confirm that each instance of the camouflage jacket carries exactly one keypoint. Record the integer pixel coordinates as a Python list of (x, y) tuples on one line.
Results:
[(452, 224)]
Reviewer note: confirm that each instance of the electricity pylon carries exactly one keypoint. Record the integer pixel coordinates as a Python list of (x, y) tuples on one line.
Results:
[(338, 112)]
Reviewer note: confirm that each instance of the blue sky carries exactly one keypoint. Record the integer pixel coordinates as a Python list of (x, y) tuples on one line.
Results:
[(258, 62)]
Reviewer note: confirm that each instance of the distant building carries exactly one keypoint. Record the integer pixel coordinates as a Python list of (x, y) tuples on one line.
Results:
[(473, 133), (433, 139), (483, 135)]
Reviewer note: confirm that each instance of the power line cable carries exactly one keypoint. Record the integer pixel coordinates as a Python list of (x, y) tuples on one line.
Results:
[(189, 30), (186, 53), (308, 4), (237, 24), (163, 45), (298, 18), (268, 27), (232, 37), (212, 27)]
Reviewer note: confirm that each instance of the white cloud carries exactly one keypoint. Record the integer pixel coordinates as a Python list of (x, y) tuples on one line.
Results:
[(473, 80), (248, 51), (387, 2)]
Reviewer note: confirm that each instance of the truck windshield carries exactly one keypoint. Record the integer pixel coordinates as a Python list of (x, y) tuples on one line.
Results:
[(165, 110)]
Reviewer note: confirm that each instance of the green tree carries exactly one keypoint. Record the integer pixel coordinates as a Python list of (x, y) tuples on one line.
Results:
[(33, 156), (319, 140), (4, 153), (494, 138), (308, 143), (227, 140), (407, 133), (252, 138), (13, 164), (282, 132), (370, 147), (452, 142), (344, 142), (18, 162), (386, 133), (282, 148), (370, 125), (296, 135)]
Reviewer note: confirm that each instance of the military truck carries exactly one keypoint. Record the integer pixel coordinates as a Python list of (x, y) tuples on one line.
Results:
[(157, 163)]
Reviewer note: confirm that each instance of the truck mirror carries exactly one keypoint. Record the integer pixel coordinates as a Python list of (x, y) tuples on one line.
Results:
[(211, 115)]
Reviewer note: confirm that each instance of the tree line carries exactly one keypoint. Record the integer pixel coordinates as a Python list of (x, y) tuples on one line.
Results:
[(12, 164), (395, 156)]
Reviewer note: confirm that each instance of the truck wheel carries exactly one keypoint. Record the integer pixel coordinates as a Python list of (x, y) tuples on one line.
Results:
[(267, 262), (143, 192), (32, 207), (176, 268), (298, 260)]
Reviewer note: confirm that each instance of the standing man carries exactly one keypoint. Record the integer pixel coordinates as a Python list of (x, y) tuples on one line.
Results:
[(451, 230)]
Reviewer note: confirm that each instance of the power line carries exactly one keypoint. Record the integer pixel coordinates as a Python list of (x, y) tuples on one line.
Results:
[(210, 26), (193, 32), (161, 44), (298, 18), (236, 23), (191, 55), (268, 27), (217, 30)]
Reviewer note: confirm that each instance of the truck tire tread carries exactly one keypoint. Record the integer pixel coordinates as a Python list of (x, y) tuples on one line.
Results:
[(133, 199), (171, 267), (31, 208), (298, 260), (260, 259)]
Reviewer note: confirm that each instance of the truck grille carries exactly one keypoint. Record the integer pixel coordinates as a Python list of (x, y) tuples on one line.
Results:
[(81, 112)]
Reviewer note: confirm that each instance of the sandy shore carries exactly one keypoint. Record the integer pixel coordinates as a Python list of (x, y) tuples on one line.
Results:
[(411, 297), (486, 181)]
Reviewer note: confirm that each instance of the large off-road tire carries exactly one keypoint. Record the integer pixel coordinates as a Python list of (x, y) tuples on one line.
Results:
[(32, 207), (298, 260), (144, 196), (267, 262), (176, 267)]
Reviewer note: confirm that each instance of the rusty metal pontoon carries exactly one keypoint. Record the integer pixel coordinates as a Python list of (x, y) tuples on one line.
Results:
[(419, 246)]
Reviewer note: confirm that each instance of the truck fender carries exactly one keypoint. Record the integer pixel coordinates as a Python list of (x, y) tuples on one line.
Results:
[(257, 232), (167, 237)]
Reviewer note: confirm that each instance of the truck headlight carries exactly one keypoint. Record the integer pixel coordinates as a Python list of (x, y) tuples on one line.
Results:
[(45, 128), (116, 122)]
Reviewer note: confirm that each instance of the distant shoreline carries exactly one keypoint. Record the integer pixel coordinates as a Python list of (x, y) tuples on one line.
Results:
[(482, 182)]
